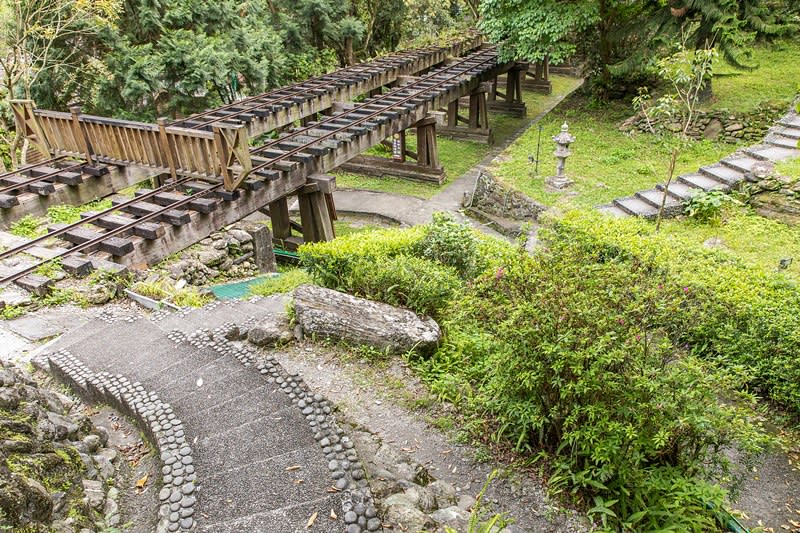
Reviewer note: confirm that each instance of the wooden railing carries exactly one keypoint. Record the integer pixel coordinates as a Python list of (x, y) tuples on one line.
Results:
[(221, 154)]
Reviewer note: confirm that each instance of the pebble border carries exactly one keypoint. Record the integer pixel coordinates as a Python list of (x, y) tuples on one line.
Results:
[(159, 423), (347, 473)]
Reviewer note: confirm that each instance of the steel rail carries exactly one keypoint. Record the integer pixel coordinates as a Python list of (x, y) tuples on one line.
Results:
[(344, 73), (110, 233), (40, 178), (32, 165), (428, 77), (89, 220), (474, 63)]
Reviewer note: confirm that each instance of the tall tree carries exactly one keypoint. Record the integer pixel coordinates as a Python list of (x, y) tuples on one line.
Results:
[(41, 38)]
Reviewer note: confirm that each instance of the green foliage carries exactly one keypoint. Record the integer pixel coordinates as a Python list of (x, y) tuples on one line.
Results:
[(381, 265), (744, 318), (575, 351), (28, 226), (285, 282), (330, 263), (69, 214), (188, 296), (418, 284), (51, 269), (706, 206), (451, 243)]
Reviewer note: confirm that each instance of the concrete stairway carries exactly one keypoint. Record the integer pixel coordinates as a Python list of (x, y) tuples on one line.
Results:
[(257, 452), (780, 143)]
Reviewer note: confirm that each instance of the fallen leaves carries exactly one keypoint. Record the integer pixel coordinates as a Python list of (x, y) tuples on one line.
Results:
[(312, 520), (333, 515)]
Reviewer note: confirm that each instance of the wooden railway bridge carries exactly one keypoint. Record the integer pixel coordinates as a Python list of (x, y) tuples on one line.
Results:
[(209, 174)]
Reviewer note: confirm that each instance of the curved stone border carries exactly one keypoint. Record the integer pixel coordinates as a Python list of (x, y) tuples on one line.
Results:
[(159, 423), (781, 142), (347, 472)]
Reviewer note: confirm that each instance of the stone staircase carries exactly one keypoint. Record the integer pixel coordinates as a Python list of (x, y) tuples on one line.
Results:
[(780, 143), (267, 451)]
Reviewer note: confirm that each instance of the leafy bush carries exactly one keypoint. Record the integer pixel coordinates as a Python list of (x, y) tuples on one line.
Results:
[(706, 206), (571, 352), (745, 318), (418, 284), (451, 243), (330, 263), (28, 226), (383, 265)]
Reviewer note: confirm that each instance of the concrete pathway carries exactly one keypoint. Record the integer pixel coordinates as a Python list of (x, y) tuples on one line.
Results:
[(256, 432)]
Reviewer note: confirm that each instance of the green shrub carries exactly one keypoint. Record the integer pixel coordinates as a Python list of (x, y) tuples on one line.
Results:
[(418, 284), (451, 243), (330, 263), (28, 226), (745, 318), (570, 353), (706, 206)]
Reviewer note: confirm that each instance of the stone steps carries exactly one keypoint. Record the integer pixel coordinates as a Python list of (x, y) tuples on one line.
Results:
[(742, 165), (679, 191), (791, 121), (773, 153), (783, 141), (655, 197), (249, 432), (792, 133), (700, 181), (611, 209), (635, 206), (723, 174)]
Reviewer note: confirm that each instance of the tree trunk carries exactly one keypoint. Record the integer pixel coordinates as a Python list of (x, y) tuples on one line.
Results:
[(325, 313), (349, 56)]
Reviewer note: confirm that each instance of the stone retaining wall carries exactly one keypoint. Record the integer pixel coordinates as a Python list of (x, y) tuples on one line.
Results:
[(721, 125)]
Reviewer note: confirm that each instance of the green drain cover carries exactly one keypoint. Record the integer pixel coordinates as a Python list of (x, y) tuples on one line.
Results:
[(239, 289)]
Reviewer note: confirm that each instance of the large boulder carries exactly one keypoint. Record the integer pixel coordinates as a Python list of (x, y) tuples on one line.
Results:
[(325, 313)]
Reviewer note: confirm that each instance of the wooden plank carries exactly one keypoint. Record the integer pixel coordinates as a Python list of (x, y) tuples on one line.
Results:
[(146, 230), (140, 209), (165, 199), (117, 246)]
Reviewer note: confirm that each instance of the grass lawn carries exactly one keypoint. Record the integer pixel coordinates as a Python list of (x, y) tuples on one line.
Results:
[(776, 79), (607, 163), (457, 157), (753, 239)]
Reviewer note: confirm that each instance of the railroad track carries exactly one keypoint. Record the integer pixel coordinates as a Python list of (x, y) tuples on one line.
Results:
[(273, 109), (317, 147), (264, 105)]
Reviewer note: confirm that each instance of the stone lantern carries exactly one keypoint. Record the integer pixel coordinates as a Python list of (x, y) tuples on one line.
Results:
[(562, 140)]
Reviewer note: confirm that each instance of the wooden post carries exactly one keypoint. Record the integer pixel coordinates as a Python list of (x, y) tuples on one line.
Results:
[(80, 134), (232, 145), (452, 114), (279, 215), (315, 217), (168, 149), (29, 127), (427, 149)]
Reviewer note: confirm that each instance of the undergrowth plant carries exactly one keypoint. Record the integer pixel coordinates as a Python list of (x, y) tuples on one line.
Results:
[(573, 354)]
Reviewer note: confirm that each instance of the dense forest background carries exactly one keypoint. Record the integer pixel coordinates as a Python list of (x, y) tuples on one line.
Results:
[(141, 59), (147, 58)]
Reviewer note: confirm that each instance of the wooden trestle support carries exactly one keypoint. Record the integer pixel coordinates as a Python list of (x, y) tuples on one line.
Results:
[(512, 103), (214, 178)]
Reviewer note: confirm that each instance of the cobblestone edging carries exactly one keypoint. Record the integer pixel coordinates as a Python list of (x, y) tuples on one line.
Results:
[(347, 472), (159, 423)]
